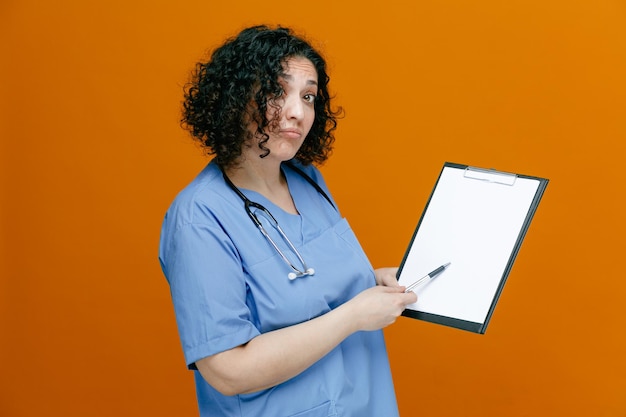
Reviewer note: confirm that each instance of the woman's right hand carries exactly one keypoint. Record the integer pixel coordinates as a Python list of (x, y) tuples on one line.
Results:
[(379, 306)]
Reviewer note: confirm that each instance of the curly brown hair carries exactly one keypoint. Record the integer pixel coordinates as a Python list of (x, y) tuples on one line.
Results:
[(243, 71)]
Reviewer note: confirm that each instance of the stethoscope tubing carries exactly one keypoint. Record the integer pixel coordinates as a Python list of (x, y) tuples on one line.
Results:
[(296, 272)]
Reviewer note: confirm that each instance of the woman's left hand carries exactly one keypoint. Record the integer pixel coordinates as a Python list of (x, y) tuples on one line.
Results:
[(386, 277)]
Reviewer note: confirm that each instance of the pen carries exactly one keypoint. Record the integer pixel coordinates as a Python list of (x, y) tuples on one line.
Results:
[(431, 275)]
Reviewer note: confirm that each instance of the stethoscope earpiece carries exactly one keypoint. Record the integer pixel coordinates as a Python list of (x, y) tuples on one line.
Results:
[(293, 275)]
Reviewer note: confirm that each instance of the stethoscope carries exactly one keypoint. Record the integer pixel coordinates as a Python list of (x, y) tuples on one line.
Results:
[(248, 204)]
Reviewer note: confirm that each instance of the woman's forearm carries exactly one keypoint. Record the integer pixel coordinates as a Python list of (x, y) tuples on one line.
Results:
[(274, 357)]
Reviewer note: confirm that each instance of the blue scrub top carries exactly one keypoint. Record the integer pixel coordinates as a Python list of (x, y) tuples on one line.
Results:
[(229, 285)]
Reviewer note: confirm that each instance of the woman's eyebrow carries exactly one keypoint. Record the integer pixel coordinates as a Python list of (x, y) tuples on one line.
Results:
[(289, 77)]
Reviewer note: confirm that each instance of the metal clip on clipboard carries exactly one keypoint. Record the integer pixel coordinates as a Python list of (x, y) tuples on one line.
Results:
[(490, 175)]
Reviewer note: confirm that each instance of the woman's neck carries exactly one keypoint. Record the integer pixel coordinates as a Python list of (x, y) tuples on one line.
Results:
[(255, 175), (266, 179)]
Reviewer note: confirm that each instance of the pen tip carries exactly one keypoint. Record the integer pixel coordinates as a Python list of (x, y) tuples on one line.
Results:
[(447, 265)]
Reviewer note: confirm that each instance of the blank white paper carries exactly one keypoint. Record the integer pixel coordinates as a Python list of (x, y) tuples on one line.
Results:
[(475, 225)]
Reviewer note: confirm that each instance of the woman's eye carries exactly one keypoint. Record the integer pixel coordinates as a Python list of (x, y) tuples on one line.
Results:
[(309, 98)]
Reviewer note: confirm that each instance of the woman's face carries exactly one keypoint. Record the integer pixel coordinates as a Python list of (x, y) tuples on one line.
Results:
[(289, 127)]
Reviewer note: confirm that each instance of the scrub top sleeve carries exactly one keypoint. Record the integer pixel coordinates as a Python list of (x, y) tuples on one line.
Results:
[(208, 291)]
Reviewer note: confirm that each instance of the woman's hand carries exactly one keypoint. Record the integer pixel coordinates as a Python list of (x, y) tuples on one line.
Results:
[(379, 306), (386, 277)]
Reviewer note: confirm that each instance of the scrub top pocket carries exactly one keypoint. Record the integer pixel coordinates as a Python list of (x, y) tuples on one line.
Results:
[(326, 409)]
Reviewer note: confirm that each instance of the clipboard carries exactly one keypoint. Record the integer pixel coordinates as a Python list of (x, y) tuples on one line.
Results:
[(476, 219)]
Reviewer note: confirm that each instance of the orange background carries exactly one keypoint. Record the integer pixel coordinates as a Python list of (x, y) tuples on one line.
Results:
[(92, 155)]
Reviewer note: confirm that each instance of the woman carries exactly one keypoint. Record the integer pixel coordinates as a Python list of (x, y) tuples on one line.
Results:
[(278, 308)]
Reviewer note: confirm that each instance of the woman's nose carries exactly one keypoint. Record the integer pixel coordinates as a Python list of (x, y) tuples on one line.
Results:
[(293, 108)]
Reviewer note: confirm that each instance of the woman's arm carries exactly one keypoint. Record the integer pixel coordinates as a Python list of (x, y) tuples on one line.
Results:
[(274, 357)]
